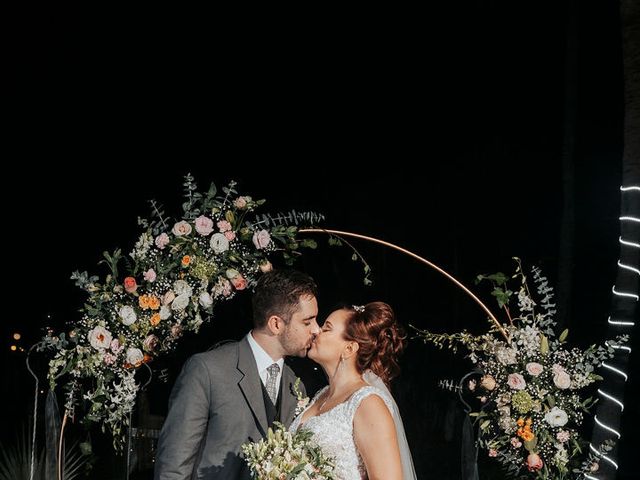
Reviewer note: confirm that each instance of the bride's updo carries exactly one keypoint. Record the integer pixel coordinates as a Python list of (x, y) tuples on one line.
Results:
[(380, 339)]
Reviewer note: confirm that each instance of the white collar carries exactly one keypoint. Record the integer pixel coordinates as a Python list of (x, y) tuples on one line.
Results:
[(263, 359)]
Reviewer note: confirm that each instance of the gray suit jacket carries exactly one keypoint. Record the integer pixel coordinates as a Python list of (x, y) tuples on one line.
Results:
[(217, 405)]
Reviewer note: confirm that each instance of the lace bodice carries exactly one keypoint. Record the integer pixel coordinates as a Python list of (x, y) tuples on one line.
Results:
[(333, 431)]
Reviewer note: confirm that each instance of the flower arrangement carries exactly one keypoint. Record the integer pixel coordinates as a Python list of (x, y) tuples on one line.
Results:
[(302, 399), (283, 455), (173, 277), (529, 384)]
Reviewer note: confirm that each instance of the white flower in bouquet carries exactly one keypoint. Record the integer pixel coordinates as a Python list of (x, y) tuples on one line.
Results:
[(556, 417), (100, 338), (127, 315), (286, 455)]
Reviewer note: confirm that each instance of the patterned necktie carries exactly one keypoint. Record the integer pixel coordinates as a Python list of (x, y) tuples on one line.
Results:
[(272, 382)]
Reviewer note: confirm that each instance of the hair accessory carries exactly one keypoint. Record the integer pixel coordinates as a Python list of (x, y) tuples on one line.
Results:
[(358, 308)]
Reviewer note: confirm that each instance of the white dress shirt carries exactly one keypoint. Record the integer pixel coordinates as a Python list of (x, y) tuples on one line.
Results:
[(264, 361)]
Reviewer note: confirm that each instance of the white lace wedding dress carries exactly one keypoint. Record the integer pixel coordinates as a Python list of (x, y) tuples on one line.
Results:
[(333, 431)]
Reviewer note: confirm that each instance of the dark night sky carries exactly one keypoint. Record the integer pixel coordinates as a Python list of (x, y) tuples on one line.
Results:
[(472, 95)]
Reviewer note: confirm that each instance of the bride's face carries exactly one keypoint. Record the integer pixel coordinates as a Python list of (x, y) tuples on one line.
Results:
[(330, 344)]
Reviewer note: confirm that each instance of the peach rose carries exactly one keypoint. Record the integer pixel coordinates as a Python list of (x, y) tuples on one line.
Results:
[(488, 382), (130, 285), (181, 229), (266, 266), (534, 369)]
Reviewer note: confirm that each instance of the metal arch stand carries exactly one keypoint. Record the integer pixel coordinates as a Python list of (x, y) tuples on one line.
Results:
[(423, 260)]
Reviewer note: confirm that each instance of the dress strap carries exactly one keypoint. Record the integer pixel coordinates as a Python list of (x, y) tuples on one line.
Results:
[(357, 398)]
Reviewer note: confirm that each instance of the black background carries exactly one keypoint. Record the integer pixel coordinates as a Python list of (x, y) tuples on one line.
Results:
[(440, 130)]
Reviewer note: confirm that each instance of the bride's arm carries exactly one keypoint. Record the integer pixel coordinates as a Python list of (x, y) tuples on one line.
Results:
[(375, 436)]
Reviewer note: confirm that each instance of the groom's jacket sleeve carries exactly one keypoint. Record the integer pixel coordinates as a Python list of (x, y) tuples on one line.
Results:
[(185, 426)]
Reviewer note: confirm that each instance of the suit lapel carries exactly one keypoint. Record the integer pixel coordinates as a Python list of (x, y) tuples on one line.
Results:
[(250, 384), (289, 399)]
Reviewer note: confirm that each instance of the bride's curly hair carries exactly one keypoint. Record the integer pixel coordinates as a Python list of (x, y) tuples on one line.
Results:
[(380, 339)]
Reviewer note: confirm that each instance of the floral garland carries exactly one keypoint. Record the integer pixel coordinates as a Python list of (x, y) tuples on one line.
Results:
[(530, 384), (176, 273)]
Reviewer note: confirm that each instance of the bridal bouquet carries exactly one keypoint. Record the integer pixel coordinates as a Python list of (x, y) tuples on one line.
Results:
[(283, 455), (530, 384), (172, 278)]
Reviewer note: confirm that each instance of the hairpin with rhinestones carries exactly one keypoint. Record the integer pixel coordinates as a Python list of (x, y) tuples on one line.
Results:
[(358, 308)]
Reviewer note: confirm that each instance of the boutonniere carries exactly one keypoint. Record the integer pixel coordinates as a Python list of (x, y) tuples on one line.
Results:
[(303, 401)]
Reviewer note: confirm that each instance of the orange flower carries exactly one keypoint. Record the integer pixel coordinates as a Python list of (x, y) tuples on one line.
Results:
[(186, 260), (143, 301), (155, 319), (153, 302), (520, 422), (527, 435)]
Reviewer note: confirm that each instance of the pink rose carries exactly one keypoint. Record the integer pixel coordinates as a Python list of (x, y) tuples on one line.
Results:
[(515, 443), (493, 452), (516, 381), (230, 235), (239, 282), (261, 239), (130, 285), (162, 241), (534, 462), (224, 226), (149, 275), (204, 225), (534, 369), (563, 436)]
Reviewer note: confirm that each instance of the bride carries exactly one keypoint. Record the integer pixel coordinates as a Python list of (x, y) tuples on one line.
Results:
[(354, 418)]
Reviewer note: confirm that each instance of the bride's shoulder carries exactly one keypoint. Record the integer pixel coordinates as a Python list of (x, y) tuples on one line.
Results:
[(370, 391)]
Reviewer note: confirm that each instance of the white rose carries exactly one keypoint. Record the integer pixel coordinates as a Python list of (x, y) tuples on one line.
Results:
[(181, 228), (165, 312), (205, 299), (134, 356), (127, 315), (562, 380), (180, 303), (556, 417), (219, 243), (100, 338), (534, 369), (182, 288)]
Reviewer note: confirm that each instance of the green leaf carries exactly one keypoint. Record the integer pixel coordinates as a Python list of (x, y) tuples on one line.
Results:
[(484, 425), (563, 335)]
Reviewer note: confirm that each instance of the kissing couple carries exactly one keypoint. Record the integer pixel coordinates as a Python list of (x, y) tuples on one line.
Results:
[(233, 393)]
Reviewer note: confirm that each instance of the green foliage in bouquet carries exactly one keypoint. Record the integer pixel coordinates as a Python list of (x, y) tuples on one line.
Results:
[(531, 383), (167, 285), (283, 455)]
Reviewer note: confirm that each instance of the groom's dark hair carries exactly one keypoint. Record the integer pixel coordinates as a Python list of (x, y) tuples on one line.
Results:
[(278, 293)]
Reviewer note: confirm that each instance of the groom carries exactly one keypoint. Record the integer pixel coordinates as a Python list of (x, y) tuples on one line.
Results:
[(232, 394)]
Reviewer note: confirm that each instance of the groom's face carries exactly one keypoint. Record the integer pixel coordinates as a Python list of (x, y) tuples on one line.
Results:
[(302, 328)]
